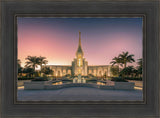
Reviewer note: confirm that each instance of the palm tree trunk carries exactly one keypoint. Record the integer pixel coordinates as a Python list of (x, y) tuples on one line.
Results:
[(118, 68), (34, 70), (41, 69), (125, 65)]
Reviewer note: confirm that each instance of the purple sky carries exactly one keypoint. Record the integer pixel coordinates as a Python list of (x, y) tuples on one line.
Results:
[(57, 38)]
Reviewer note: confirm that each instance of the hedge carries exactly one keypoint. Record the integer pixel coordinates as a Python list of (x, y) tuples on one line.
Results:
[(118, 79), (134, 78), (25, 78)]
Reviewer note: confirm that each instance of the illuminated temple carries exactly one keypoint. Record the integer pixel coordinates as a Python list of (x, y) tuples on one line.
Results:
[(80, 66)]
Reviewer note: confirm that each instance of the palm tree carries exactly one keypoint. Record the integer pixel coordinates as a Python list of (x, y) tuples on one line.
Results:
[(32, 62), (19, 63), (135, 72), (127, 71), (19, 67), (115, 71), (140, 66), (42, 60), (47, 70), (126, 58), (139, 62), (29, 71), (116, 60)]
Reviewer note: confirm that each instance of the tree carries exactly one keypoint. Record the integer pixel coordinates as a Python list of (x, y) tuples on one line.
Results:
[(32, 62), (116, 60), (42, 60), (19, 63), (140, 66), (135, 72), (29, 71), (20, 69), (46, 70), (126, 58), (115, 71), (127, 71)]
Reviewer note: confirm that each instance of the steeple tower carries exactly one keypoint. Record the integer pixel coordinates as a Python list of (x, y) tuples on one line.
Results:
[(79, 38), (79, 50)]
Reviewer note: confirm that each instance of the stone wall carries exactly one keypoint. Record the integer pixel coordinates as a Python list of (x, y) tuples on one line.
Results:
[(99, 70), (124, 85), (60, 70)]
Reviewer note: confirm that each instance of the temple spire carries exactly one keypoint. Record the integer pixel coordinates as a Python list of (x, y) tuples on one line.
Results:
[(79, 38), (79, 50)]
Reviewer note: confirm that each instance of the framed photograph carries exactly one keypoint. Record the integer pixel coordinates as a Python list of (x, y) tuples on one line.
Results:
[(45, 53), (80, 59)]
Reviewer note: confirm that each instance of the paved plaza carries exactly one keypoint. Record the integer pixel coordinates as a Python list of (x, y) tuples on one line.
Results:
[(78, 93)]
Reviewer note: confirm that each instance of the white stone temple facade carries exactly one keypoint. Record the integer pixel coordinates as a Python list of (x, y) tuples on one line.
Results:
[(80, 66)]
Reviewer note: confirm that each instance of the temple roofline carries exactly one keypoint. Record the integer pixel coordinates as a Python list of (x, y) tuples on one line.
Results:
[(71, 65), (97, 65), (59, 65)]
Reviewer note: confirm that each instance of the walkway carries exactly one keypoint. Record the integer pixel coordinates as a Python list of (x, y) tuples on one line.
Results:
[(78, 93)]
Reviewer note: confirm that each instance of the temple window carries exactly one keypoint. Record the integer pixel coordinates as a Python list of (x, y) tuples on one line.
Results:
[(100, 73), (58, 73)]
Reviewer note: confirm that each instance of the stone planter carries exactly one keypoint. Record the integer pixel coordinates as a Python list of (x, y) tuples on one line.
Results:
[(124, 85), (106, 87), (33, 85), (21, 82)]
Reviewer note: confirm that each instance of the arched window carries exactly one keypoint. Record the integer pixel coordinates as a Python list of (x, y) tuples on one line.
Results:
[(64, 72), (100, 73), (53, 73), (58, 73), (69, 72), (94, 73), (105, 72)]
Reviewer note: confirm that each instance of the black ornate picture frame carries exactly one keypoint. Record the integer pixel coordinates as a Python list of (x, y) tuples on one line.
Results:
[(149, 10)]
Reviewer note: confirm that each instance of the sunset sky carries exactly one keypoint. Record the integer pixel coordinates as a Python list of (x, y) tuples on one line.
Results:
[(57, 38)]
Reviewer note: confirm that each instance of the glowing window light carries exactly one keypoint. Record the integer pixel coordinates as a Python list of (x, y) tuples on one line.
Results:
[(79, 62)]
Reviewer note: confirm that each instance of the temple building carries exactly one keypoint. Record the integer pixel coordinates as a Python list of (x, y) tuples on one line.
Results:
[(80, 66)]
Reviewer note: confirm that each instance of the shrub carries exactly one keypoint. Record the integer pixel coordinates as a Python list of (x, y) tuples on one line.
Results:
[(90, 75), (25, 78), (74, 76), (65, 81), (92, 80), (118, 79), (85, 76), (134, 78), (67, 75), (115, 70), (40, 79)]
